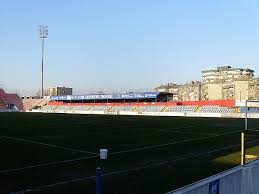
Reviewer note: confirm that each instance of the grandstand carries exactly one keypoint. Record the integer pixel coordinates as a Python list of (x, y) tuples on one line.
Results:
[(30, 104), (141, 103), (2, 105), (217, 109), (10, 101), (183, 109)]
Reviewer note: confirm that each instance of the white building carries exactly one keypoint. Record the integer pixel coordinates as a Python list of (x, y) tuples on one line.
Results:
[(226, 74), (59, 91)]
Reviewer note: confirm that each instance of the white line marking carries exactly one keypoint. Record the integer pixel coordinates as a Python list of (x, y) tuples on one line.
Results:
[(49, 145), (253, 129), (185, 127), (193, 155), (47, 164), (113, 153), (180, 132), (172, 143)]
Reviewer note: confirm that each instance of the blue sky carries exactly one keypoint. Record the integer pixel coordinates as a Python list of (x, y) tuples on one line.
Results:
[(124, 45)]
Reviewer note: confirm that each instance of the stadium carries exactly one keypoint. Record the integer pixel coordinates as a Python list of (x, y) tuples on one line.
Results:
[(222, 92), (156, 144), (145, 103), (129, 97)]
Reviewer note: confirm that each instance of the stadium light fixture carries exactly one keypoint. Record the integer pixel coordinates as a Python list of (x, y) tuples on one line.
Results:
[(44, 32), (103, 156)]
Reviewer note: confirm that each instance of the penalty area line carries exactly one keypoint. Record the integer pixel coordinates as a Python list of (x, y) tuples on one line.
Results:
[(113, 153), (134, 169), (172, 143), (49, 145), (190, 133), (46, 164), (185, 127)]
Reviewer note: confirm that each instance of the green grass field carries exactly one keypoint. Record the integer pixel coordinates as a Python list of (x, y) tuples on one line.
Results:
[(58, 153)]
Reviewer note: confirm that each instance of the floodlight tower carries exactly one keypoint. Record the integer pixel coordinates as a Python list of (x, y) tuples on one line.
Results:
[(43, 34)]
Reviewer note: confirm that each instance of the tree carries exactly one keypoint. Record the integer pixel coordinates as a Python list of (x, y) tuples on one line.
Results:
[(38, 93)]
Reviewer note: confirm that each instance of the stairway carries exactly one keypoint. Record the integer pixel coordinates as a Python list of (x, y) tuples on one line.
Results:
[(198, 109), (163, 109)]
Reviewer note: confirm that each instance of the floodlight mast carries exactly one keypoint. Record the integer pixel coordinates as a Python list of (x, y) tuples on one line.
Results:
[(43, 34)]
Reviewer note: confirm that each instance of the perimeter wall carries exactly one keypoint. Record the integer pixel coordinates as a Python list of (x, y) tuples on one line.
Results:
[(239, 180), (225, 115)]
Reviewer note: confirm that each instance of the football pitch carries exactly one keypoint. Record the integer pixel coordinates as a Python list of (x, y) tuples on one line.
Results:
[(58, 153)]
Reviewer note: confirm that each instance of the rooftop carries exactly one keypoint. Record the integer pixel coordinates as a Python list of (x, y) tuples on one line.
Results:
[(227, 68)]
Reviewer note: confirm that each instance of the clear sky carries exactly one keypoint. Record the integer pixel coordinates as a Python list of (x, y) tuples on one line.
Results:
[(124, 45)]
